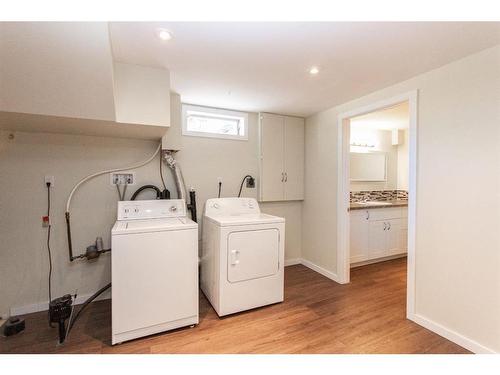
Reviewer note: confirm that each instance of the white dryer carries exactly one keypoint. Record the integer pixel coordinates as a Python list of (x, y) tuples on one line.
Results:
[(154, 269), (242, 255)]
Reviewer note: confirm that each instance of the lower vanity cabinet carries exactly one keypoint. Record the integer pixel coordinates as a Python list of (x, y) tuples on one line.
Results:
[(378, 233), (359, 235)]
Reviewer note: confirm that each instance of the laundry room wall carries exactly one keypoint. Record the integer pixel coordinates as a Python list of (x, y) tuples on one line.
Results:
[(457, 244), (28, 157), (204, 160)]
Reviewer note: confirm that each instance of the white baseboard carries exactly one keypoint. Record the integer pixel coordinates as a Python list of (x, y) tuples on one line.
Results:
[(292, 262), (447, 333), (331, 275), (378, 260), (44, 306)]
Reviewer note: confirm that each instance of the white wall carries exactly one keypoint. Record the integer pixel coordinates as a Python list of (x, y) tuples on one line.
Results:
[(29, 156), (458, 199)]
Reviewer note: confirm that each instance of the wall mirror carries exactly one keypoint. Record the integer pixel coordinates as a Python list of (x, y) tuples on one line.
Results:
[(370, 166)]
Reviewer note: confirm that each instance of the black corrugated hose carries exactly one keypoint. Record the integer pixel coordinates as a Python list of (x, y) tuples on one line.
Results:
[(86, 303)]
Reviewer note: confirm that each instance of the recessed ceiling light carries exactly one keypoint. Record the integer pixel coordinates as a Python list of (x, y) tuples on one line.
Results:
[(314, 70), (164, 34)]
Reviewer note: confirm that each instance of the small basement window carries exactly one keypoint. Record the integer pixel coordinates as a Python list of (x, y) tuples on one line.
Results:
[(214, 123)]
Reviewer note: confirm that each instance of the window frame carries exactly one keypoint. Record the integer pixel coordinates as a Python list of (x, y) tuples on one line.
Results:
[(214, 111)]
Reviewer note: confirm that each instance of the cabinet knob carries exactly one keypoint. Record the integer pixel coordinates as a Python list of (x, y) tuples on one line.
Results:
[(286, 177), (385, 225)]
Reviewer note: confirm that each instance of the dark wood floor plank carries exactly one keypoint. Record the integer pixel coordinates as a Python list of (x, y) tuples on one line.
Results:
[(318, 316)]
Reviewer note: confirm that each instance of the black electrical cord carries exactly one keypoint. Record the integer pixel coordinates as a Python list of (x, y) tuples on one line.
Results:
[(161, 172), (145, 187), (48, 242), (242, 182), (220, 187), (86, 303), (48, 247)]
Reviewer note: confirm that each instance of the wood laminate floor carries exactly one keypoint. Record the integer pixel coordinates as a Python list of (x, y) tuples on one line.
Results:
[(318, 316)]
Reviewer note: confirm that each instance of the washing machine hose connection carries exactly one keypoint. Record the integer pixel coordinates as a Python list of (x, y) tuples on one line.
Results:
[(92, 253)]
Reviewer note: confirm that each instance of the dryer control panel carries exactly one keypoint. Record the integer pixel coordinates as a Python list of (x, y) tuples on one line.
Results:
[(231, 206), (151, 209)]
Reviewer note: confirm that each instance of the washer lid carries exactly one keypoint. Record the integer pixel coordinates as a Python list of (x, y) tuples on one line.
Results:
[(245, 219), (152, 225)]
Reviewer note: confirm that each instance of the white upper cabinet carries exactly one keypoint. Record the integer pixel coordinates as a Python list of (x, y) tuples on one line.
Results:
[(271, 158), (57, 68), (142, 95), (294, 158), (281, 157)]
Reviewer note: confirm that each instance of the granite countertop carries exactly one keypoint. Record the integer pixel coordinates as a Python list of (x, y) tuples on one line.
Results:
[(392, 203)]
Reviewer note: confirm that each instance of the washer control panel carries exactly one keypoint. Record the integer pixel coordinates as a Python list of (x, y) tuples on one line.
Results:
[(231, 206), (151, 209)]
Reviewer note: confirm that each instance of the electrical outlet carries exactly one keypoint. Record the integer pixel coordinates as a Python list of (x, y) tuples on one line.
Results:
[(122, 178), (49, 179), (250, 182)]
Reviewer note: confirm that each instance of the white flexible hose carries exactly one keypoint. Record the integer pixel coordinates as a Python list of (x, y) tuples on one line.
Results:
[(109, 171)]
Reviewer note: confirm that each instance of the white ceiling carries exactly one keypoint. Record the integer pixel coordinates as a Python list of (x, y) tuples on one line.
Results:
[(264, 66), (395, 117)]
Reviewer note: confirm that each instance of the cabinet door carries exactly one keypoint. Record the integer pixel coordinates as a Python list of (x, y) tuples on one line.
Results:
[(294, 158), (377, 240), (272, 161), (403, 233), (359, 236), (393, 233), (403, 240)]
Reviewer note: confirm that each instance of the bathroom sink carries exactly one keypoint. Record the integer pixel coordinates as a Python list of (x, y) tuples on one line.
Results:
[(375, 203)]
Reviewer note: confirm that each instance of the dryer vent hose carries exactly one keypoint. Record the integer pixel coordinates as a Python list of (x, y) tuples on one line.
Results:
[(169, 157)]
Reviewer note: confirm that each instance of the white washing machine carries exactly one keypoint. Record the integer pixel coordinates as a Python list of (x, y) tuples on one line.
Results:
[(242, 255), (154, 269)]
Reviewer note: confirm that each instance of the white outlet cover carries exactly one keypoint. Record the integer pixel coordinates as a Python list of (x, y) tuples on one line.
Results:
[(120, 174)]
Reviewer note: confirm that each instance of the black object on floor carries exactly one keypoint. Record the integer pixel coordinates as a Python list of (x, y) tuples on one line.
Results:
[(60, 310), (13, 326)]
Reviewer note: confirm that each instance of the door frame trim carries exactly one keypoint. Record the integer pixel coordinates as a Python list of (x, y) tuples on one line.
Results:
[(343, 188)]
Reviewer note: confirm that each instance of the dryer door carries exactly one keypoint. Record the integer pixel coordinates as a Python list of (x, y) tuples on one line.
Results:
[(252, 254)]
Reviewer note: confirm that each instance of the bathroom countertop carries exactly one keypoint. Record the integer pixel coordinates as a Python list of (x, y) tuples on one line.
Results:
[(393, 203)]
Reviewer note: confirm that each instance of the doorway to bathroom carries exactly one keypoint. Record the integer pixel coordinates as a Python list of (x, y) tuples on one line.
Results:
[(376, 205)]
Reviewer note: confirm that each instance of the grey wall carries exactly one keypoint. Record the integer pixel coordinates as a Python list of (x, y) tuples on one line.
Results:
[(25, 160)]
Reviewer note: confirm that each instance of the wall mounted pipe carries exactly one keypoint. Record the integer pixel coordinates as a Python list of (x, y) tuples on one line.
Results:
[(89, 177)]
